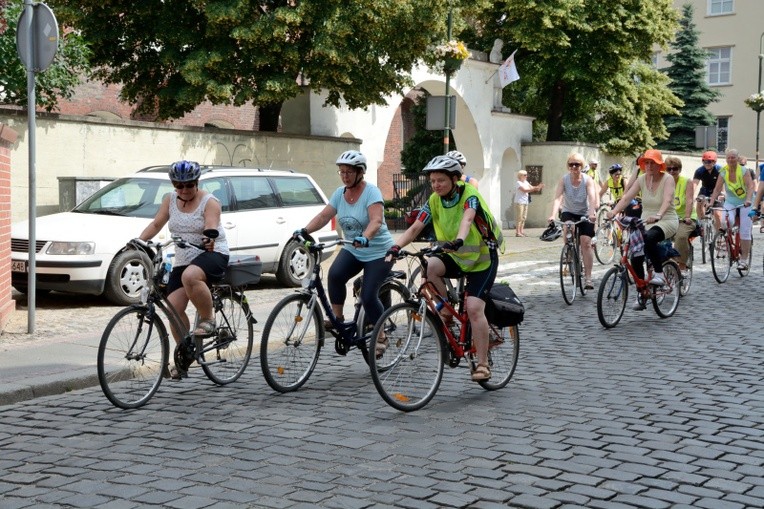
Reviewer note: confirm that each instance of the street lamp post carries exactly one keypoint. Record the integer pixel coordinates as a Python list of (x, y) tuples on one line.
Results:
[(758, 89)]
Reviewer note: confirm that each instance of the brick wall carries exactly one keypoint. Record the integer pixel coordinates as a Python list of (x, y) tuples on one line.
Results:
[(401, 129), (7, 304)]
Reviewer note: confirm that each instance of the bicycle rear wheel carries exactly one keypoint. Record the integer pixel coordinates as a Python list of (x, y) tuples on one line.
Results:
[(612, 296), (407, 375), (568, 272), (391, 292), (721, 257), (291, 342), (666, 297), (226, 355), (503, 350), (132, 357), (606, 243)]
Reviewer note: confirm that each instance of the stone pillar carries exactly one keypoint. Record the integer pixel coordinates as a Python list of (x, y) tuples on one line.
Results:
[(7, 304)]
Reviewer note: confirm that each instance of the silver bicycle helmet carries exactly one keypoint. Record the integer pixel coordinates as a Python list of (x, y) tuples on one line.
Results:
[(455, 154), (553, 232), (352, 158), (444, 164), (184, 171)]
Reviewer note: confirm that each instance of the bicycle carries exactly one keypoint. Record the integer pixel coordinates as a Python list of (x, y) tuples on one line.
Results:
[(614, 288), (725, 249), (608, 239), (419, 343), (602, 211), (133, 354), (294, 332), (571, 261)]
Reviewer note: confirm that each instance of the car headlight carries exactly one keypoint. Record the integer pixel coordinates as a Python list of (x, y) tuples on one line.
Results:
[(71, 248)]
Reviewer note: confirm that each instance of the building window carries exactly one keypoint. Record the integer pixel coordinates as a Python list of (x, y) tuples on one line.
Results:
[(721, 7), (722, 133), (719, 65)]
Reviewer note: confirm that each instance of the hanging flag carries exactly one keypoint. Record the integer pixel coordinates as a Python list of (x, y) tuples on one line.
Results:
[(508, 71)]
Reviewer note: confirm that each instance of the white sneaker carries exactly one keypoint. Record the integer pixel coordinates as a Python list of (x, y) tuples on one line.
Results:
[(657, 279), (685, 273), (639, 305), (742, 265)]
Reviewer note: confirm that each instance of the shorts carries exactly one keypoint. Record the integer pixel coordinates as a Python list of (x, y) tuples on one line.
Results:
[(586, 229), (478, 283), (212, 263)]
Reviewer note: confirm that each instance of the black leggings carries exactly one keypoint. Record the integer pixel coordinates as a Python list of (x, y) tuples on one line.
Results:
[(653, 252), (346, 266)]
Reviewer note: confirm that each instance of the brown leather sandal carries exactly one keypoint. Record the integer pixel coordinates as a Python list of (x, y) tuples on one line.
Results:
[(481, 373)]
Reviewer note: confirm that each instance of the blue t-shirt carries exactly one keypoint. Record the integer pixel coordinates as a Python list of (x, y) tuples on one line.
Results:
[(353, 218)]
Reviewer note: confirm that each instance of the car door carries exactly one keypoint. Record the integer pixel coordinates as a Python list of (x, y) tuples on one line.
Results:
[(218, 187), (257, 218)]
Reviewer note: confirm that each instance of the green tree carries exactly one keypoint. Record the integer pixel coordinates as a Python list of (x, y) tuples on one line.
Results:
[(688, 82), (584, 67), (170, 56), (56, 82)]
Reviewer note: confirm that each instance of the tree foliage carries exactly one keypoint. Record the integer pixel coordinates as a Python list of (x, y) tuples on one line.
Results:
[(584, 67), (56, 82), (688, 82), (172, 55)]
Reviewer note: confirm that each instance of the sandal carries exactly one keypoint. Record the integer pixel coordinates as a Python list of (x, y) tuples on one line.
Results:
[(381, 346), (204, 329), (481, 373), (328, 323)]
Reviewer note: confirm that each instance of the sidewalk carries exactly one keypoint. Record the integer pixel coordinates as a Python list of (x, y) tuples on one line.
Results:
[(66, 359)]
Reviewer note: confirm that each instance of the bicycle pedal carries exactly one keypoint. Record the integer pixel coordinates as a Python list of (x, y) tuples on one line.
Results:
[(340, 347)]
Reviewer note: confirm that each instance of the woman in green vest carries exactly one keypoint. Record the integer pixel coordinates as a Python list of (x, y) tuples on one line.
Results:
[(684, 191), (470, 239)]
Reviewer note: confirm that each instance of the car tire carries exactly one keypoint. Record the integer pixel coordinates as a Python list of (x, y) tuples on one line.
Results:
[(126, 278), (295, 264)]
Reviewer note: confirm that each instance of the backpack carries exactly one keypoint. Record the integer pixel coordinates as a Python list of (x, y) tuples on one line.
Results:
[(503, 308)]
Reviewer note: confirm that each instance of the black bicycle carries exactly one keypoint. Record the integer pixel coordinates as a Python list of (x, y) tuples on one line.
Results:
[(133, 356), (294, 332)]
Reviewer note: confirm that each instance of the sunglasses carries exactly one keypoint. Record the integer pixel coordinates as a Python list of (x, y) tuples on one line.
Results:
[(574, 165), (708, 161), (184, 185), (672, 168)]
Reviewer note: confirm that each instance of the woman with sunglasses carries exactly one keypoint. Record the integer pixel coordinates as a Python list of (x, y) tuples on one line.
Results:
[(684, 191), (189, 212), (658, 213), (359, 209), (576, 196)]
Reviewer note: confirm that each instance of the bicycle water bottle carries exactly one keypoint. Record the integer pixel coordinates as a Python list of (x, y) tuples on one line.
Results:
[(168, 259), (441, 302)]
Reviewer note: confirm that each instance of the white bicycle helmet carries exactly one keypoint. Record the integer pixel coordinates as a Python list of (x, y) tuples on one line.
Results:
[(455, 154), (352, 158), (444, 164)]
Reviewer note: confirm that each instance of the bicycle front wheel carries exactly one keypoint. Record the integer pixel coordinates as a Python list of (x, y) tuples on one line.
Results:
[(612, 296), (503, 350), (226, 355), (606, 242), (568, 272), (407, 375), (720, 257), (132, 357), (705, 239), (391, 292), (666, 297), (292, 339)]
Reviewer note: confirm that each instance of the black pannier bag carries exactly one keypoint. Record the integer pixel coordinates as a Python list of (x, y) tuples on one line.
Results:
[(503, 308)]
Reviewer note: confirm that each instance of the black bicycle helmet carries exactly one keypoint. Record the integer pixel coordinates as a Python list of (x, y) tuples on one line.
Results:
[(184, 171), (444, 164), (553, 232), (616, 167)]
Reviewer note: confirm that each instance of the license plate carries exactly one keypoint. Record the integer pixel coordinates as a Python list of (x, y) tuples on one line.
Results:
[(18, 266)]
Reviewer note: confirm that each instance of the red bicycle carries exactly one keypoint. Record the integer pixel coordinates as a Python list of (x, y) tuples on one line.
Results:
[(725, 249)]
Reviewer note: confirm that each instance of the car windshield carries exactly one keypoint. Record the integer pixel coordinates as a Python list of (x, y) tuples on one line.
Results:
[(132, 196)]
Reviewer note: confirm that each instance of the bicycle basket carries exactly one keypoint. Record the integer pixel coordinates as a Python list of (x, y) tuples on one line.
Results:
[(243, 271), (503, 308)]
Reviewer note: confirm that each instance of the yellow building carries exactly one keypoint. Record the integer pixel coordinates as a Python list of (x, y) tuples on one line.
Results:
[(733, 32)]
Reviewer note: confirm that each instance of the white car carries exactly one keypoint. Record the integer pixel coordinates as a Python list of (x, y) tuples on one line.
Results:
[(83, 251)]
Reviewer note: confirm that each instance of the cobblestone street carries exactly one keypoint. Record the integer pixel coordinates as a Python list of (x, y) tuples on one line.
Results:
[(654, 413)]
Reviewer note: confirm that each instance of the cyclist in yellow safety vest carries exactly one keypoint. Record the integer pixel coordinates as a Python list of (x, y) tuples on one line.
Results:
[(470, 239), (684, 191), (615, 183)]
